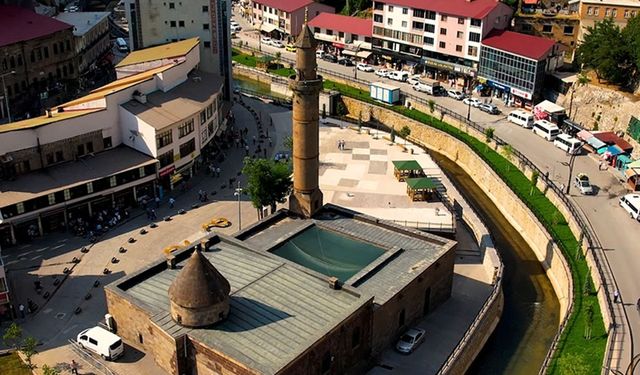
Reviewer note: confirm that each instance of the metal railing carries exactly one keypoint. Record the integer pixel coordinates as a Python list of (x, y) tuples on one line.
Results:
[(90, 359), (593, 243)]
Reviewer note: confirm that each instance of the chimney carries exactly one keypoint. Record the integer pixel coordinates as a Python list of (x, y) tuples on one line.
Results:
[(48, 112), (334, 283), (171, 262), (204, 245)]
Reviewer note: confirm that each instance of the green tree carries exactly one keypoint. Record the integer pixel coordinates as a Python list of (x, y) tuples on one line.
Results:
[(604, 50), (573, 364), (534, 181), (404, 133), (631, 36), (13, 336), (507, 152), (28, 350), (288, 143), (46, 370), (488, 135), (588, 321), (581, 80), (268, 182), (392, 136), (432, 108)]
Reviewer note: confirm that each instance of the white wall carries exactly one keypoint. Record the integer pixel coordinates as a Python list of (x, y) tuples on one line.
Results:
[(145, 142)]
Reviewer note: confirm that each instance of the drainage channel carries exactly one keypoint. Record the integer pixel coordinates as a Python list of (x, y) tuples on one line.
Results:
[(531, 309)]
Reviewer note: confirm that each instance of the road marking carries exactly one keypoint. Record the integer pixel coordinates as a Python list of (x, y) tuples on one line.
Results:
[(12, 262), (23, 254), (36, 257), (41, 250), (47, 310), (57, 247)]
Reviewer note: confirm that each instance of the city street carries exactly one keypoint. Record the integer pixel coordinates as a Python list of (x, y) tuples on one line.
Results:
[(615, 230)]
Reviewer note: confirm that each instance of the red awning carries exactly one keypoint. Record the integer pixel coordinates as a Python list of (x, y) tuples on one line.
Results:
[(530, 2), (339, 45)]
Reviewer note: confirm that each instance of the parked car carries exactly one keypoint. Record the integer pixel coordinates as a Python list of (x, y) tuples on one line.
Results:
[(291, 48), (414, 79), (583, 184), (345, 61), (631, 204), (235, 28), (364, 67), (265, 40), (102, 342), (474, 102), (458, 95), (320, 53), (489, 108), (439, 91), (330, 58), (410, 340), (382, 72), (277, 43)]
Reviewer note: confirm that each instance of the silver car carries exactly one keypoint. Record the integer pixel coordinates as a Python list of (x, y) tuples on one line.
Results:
[(410, 340)]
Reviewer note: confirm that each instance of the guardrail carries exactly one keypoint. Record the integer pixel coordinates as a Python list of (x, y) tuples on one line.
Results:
[(593, 242), (90, 359)]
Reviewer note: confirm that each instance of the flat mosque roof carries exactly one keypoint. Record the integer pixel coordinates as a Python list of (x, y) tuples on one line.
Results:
[(407, 252), (278, 309)]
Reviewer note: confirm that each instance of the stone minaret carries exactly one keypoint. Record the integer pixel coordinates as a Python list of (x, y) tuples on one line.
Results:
[(306, 198)]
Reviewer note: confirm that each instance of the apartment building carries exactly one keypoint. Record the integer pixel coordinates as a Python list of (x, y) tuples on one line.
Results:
[(154, 23), (284, 19), (37, 62), (91, 37), (514, 65), (125, 142), (350, 36), (562, 27), (591, 11), (442, 35)]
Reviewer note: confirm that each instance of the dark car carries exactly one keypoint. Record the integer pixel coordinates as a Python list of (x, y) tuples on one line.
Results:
[(439, 91), (330, 58), (345, 61), (489, 108)]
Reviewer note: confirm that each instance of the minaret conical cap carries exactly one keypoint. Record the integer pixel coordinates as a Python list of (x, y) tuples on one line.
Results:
[(199, 284), (306, 39)]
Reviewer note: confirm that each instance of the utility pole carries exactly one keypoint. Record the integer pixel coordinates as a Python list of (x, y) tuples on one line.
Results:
[(238, 193)]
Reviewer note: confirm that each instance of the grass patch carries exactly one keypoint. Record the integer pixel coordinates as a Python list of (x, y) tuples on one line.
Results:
[(11, 364), (243, 59), (573, 348), (284, 72)]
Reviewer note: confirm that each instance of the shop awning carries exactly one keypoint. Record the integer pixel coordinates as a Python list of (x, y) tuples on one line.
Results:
[(596, 143), (611, 150), (421, 183), (631, 172), (406, 165), (362, 54), (267, 27), (624, 159), (634, 164), (584, 135)]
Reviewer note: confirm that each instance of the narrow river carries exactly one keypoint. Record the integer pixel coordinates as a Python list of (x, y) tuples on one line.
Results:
[(531, 310)]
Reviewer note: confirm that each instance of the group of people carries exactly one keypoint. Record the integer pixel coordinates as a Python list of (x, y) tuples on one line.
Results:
[(99, 223), (341, 144)]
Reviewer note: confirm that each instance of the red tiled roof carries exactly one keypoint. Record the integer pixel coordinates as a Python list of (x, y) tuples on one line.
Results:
[(532, 47), (338, 22), (473, 9), (611, 138), (19, 24), (285, 5)]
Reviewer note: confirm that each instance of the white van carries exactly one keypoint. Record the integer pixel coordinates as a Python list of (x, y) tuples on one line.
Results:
[(102, 342), (522, 118), (319, 53), (567, 143), (122, 45), (427, 85), (546, 130), (398, 76), (631, 203)]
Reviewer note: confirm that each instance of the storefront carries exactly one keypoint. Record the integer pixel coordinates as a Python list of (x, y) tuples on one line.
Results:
[(454, 74)]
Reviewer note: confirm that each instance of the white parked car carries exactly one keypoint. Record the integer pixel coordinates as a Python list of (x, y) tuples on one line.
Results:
[(364, 67), (277, 43), (265, 40), (474, 102), (458, 95), (410, 340), (102, 342), (382, 72), (414, 79)]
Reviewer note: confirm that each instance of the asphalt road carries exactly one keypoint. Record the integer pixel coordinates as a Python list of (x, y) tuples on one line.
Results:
[(615, 229)]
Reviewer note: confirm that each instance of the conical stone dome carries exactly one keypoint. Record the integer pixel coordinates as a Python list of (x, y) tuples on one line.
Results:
[(200, 294)]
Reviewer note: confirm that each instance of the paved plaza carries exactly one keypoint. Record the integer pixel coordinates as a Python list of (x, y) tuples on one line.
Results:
[(359, 177)]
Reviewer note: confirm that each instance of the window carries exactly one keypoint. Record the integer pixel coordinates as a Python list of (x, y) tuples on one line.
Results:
[(443, 18), (327, 359), (546, 29), (430, 15), (51, 198), (476, 22), (442, 45), (458, 48), (401, 318), (568, 30), (187, 148), (89, 147), (20, 208), (428, 40), (590, 11), (405, 11), (614, 13), (89, 187), (459, 34), (209, 111), (67, 194), (472, 51), (46, 53), (626, 13), (376, 18), (207, 44), (596, 11), (354, 38), (112, 181), (341, 34), (80, 150), (404, 23), (429, 28), (165, 159), (443, 31), (106, 142), (68, 44), (378, 6), (329, 32), (205, 26), (474, 37), (205, 9), (607, 12), (460, 21), (59, 156), (418, 13), (355, 338), (164, 138), (180, 23), (172, 23), (203, 117), (390, 9), (389, 21), (418, 25), (185, 129), (55, 49), (172, 6)]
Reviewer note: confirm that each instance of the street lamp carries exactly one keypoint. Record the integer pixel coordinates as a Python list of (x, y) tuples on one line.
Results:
[(468, 110), (238, 193), (4, 91), (571, 161), (260, 35)]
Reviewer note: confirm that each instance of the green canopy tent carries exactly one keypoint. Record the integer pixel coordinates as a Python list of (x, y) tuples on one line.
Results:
[(420, 188), (404, 169)]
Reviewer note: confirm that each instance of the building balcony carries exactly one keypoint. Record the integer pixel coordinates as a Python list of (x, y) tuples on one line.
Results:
[(548, 14)]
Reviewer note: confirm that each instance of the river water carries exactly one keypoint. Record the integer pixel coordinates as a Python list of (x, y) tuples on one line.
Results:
[(531, 310)]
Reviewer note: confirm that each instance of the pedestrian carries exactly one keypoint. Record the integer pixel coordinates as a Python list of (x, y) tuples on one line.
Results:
[(171, 202), (246, 150), (616, 296), (339, 144), (21, 308), (600, 165), (562, 187), (157, 202), (264, 150), (74, 367), (218, 170), (153, 214), (254, 140), (270, 142)]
